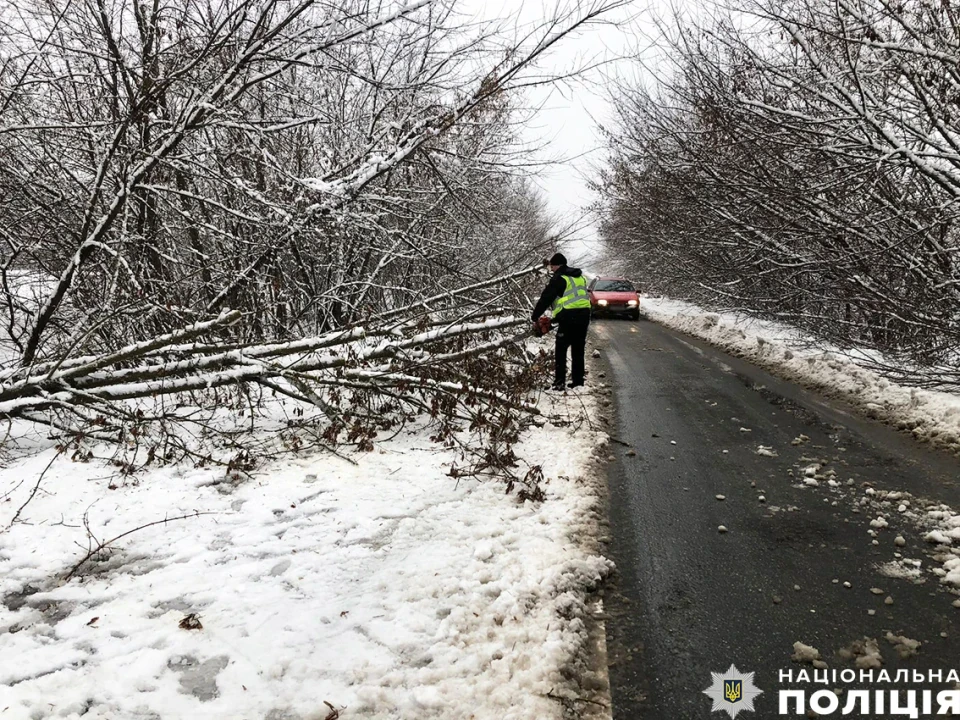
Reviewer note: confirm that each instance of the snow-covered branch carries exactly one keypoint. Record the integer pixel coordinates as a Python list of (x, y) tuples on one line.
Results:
[(801, 162)]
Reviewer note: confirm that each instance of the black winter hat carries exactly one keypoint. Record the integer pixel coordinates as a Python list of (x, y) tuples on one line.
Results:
[(557, 259)]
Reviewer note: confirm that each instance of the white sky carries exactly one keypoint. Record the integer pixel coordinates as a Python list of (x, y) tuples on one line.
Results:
[(567, 124)]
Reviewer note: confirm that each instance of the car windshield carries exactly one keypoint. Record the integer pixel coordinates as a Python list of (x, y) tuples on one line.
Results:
[(613, 286)]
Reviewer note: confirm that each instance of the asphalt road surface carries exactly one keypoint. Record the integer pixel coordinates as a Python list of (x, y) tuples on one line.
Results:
[(687, 600)]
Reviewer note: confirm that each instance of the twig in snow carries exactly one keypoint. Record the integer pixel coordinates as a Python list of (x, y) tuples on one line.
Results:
[(104, 544), (36, 488)]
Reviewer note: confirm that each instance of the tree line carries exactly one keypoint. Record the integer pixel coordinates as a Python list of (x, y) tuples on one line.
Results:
[(801, 160)]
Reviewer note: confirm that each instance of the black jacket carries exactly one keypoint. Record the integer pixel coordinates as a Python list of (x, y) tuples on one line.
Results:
[(556, 288)]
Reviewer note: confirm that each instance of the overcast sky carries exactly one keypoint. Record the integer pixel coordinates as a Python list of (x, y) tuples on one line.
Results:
[(567, 124)]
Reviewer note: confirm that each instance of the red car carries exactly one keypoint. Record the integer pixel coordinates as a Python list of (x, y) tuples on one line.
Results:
[(611, 296)]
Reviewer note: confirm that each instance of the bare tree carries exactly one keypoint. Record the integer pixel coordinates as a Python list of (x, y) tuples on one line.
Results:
[(314, 200), (800, 162)]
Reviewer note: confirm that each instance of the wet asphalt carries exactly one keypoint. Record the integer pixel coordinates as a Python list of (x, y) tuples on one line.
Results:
[(687, 600)]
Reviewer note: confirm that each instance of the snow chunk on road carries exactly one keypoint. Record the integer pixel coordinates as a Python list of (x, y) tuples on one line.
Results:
[(952, 572), (766, 451), (903, 568), (865, 653), (905, 647), (807, 654), (935, 537)]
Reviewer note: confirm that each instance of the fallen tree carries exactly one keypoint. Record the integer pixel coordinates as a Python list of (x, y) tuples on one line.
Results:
[(415, 347), (210, 204)]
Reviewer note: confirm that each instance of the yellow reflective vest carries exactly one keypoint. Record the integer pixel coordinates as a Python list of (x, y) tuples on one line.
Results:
[(575, 296)]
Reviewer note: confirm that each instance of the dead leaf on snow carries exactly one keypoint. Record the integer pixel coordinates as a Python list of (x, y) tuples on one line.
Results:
[(191, 622)]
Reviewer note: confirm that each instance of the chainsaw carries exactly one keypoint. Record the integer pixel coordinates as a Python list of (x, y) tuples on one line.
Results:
[(537, 329), (542, 326)]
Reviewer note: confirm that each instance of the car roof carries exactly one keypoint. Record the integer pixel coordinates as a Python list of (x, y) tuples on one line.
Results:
[(610, 277)]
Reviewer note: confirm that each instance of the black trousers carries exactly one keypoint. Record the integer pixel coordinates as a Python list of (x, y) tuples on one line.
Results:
[(572, 334)]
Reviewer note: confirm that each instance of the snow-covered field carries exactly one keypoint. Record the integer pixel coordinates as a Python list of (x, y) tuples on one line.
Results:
[(317, 589), (931, 416)]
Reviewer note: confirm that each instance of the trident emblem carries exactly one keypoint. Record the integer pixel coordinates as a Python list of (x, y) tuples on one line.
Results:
[(732, 690)]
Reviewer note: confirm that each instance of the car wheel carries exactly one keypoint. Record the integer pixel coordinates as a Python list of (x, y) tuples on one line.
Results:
[(635, 316)]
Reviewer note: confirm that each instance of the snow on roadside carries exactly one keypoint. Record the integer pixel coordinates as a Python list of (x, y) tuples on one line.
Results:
[(386, 589), (931, 416), (937, 525)]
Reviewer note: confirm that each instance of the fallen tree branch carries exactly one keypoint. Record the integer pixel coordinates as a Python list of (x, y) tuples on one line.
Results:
[(102, 545), (219, 370)]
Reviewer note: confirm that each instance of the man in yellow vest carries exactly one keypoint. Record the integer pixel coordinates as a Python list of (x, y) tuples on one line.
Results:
[(566, 294)]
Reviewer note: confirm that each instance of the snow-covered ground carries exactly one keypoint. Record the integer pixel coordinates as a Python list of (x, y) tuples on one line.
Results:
[(932, 417), (317, 589)]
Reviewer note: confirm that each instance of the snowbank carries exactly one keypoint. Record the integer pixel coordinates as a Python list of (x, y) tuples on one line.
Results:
[(384, 589), (931, 416)]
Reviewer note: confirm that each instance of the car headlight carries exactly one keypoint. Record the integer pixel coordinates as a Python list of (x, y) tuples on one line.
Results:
[(601, 302), (631, 303)]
